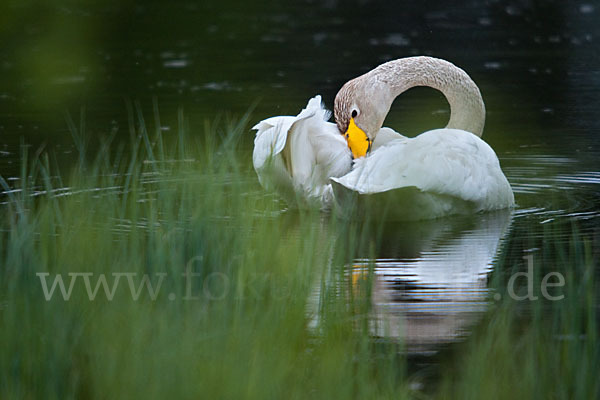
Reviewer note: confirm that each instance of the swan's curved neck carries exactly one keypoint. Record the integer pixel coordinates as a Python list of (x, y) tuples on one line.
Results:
[(467, 111)]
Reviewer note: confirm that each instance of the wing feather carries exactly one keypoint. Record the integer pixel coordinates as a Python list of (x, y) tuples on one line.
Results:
[(295, 156), (447, 162)]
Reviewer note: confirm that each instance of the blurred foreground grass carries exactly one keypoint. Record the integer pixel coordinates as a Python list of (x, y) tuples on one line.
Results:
[(244, 325)]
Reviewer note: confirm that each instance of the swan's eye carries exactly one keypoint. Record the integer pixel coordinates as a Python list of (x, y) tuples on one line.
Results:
[(354, 113)]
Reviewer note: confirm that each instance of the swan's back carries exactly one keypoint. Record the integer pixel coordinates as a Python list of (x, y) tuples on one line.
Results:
[(440, 172)]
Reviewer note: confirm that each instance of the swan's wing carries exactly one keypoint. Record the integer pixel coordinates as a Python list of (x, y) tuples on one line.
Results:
[(272, 133), (270, 140), (299, 154), (271, 136), (448, 162), (317, 150), (332, 154)]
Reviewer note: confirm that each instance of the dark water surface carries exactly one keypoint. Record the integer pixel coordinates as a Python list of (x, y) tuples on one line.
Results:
[(537, 65)]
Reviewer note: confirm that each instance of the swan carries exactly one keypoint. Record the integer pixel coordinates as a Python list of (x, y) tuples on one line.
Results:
[(362, 167), (437, 173)]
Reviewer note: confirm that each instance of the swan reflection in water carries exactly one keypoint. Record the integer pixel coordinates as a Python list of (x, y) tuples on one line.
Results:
[(428, 285)]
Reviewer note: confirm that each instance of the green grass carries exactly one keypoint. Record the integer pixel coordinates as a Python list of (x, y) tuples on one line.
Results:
[(160, 205), (540, 349)]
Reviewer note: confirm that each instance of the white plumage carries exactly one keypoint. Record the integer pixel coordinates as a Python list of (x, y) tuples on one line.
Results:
[(306, 159), (296, 156), (439, 172)]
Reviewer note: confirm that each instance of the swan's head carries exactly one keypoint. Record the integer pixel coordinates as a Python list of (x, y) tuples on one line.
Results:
[(359, 110)]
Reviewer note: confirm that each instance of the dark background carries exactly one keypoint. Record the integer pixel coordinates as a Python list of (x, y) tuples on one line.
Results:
[(536, 62)]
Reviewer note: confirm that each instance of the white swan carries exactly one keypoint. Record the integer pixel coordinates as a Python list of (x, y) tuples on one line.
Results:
[(440, 172)]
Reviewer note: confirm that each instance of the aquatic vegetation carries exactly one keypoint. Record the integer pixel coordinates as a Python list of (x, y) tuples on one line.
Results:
[(210, 289)]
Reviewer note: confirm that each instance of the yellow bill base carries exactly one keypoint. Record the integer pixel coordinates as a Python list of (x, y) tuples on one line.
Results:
[(358, 141)]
